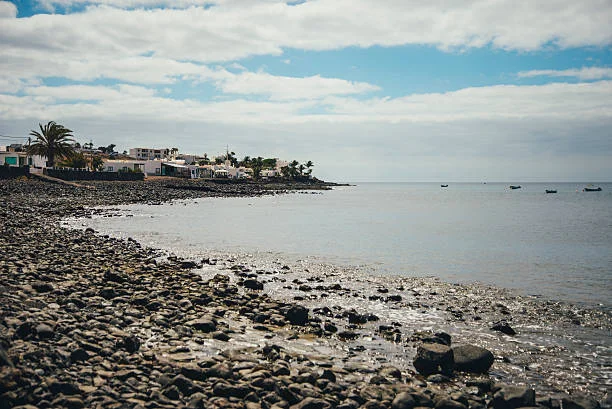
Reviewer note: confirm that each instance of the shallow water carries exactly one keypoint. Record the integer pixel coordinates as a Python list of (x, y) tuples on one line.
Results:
[(380, 235), (558, 246)]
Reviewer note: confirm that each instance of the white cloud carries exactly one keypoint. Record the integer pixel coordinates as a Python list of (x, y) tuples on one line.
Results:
[(584, 73), (91, 92), (280, 88), (7, 9), (559, 102), (236, 30)]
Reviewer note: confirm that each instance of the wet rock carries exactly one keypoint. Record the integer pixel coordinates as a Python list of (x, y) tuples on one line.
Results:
[(24, 330), (42, 287), (231, 391), (69, 402), (172, 392), (511, 397), (114, 276), (130, 343), (503, 327), (220, 336), (4, 359), (329, 375), (253, 284), (188, 265), (44, 331), (297, 315), (79, 354), (438, 378), (483, 384), (471, 358), (312, 403), (348, 335), (449, 404), (183, 384), (203, 324), (403, 400), (219, 370), (579, 402), (356, 318), (389, 371), (65, 388), (434, 358)]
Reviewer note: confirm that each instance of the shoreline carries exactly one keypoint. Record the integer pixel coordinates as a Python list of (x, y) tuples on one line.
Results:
[(125, 323)]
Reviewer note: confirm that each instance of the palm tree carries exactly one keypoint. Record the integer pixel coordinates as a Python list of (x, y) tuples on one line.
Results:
[(53, 140), (256, 165), (246, 161)]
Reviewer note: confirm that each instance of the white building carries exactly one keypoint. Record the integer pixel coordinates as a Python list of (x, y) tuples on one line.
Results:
[(9, 157), (150, 153), (148, 167)]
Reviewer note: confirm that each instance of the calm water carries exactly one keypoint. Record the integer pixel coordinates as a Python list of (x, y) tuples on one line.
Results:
[(555, 245)]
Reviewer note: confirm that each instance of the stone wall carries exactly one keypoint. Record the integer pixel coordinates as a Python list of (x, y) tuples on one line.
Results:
[(68, 174), (12, 172)]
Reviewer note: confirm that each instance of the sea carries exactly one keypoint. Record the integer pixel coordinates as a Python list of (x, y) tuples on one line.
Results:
[(557, 246), (549, 255)]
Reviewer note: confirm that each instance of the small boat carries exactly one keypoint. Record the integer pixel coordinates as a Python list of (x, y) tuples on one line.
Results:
[(591, 189), (551, 191), (443, 185), (515, 187)]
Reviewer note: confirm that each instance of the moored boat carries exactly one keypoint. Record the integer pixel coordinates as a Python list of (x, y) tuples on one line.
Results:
[(443, 185), (515, 187), (551, 191), (592, 189)]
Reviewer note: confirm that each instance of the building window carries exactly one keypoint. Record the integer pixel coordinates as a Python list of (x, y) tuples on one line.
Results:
[(157, 171), (109, 168)]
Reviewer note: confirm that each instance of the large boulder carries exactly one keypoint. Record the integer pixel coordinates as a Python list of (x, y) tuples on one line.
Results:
[(473, 359), (434, 358)]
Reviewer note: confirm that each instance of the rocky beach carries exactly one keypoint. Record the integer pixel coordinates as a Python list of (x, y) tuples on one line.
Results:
[(97, 321)]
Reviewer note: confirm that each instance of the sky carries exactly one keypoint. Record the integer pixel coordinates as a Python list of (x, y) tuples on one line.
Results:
[(385, 90)]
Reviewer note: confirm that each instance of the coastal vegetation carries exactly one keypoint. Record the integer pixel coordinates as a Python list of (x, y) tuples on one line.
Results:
[(53, 140), (55, 143)]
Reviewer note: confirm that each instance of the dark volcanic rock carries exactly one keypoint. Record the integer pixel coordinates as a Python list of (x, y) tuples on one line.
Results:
[(433, 358), (44, 331), (449, 404), (203, 324), (42, 287), (579, 402), (511, 397), (312, 403), (470, 358), (253, 284), (131, 343), (503, 327), (297, 315), (4, 358), (403, 400), (65, 388)]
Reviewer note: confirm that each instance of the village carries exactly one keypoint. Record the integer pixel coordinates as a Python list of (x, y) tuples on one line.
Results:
[(151, 162)]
